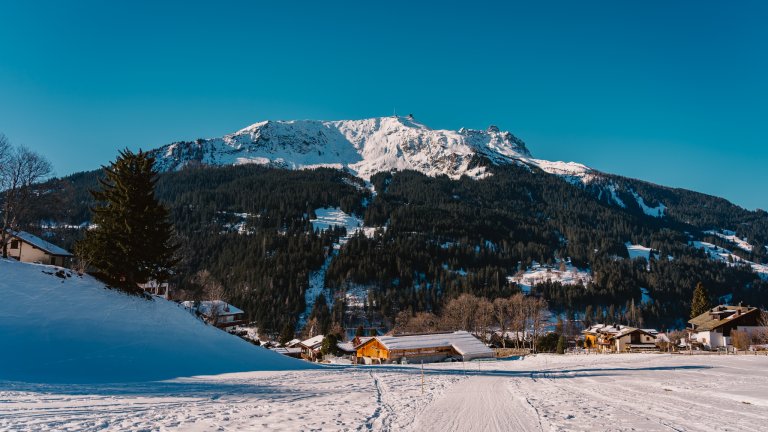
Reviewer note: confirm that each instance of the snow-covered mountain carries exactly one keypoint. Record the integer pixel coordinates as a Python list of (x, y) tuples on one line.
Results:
[(364, 147)]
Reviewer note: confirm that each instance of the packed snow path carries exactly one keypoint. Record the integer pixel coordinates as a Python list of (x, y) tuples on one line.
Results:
[(482, 403), (627, 392)]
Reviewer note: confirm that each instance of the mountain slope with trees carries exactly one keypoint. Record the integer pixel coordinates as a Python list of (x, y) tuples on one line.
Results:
[(445, 212)]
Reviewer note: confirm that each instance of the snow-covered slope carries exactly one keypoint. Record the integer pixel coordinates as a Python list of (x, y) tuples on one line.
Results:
[(73, 329), (364, 147)]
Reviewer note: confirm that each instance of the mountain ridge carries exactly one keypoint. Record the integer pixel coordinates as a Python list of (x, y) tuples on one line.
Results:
[(364, 147)]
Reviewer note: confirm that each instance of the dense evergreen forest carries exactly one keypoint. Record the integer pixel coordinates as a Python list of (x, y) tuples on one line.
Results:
[(247, 228)]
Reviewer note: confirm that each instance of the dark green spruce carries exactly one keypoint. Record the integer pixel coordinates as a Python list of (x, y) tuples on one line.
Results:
[(131, 241), (700, 302)]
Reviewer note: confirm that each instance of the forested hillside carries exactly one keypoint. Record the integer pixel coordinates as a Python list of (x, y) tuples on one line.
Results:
[(247, 229)]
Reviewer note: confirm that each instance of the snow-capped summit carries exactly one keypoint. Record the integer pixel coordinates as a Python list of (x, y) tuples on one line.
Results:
[(364, 147)]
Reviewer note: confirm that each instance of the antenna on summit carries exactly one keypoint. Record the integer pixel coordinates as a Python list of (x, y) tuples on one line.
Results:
[(394, 112)]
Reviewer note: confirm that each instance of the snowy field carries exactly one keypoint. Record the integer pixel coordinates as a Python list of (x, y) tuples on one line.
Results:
[(638, 251), (628, 392)]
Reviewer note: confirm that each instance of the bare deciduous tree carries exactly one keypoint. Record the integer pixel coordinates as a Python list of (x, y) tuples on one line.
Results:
[(459, 313), (20, 169), (210, 287), (502, 312), (484, 319)]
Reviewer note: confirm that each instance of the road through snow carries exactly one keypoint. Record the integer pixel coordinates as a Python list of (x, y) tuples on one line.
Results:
[(481, 403)]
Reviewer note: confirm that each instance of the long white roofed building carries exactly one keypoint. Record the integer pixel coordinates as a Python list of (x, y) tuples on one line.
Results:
[(432, 347)]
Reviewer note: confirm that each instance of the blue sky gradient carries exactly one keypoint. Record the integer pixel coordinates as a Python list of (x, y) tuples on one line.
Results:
[(671, 92)]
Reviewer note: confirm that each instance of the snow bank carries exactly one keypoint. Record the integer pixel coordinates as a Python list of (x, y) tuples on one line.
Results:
[(73, 329)]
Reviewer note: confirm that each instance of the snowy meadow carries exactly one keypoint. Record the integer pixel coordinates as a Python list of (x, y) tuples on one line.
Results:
[(649, 392)]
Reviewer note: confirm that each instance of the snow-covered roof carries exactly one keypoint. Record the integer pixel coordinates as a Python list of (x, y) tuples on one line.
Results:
[(617, 331), (286, 351), (292, 343), (461, 341), (361, 340), (221, 307), (39, 243), (313, 342), (346, 346)]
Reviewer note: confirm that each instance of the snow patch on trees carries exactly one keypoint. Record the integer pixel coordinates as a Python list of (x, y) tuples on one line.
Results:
[(564, 272), (730, 236), (657, 211), (726, 256)]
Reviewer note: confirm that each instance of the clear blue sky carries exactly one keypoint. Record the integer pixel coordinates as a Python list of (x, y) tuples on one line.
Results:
[(671, 92)]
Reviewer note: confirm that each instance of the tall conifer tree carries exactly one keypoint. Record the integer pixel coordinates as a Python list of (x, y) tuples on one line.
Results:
[(700, 302), (131, 242)]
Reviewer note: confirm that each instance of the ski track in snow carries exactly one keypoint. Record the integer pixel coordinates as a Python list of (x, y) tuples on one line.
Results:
[(627, 392)]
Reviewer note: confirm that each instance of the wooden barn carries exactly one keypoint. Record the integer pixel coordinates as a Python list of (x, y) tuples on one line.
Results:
[(431, 347)]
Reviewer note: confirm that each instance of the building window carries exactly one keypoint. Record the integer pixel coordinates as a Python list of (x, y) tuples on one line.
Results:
[(14, 244)]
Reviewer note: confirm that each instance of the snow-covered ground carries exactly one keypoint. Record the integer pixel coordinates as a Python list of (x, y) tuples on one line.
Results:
[(638, 251), (538, 273), (731, 237), (56, 326), (626, 392), (657, 211), (721, 254), (331, 216)]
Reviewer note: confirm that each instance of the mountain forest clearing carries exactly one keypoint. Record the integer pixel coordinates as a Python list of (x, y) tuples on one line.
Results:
[(650, 392)]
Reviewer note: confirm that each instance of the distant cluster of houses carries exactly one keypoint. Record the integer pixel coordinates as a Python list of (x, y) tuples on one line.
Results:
[(432, 347), (710, 331)]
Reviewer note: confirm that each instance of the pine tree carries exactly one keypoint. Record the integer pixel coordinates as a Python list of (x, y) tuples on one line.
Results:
[(131, 240), (700, 302), (561, 345)]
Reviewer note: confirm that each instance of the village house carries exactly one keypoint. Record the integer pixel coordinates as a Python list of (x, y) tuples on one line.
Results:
[(310, 348), (218, 313), (294, 352), (431, 347), (29, 248), (618, 338), (713, 329)]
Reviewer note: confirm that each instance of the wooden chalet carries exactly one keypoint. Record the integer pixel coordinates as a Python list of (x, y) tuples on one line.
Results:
[(431, 347)]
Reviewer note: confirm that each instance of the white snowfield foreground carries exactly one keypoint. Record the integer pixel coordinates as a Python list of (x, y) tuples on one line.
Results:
[(632, 392), (76, 356), (56, 326)]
